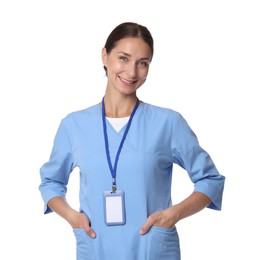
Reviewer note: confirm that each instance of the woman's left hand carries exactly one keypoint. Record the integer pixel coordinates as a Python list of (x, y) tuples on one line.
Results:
[(169, 217), (166, 218)]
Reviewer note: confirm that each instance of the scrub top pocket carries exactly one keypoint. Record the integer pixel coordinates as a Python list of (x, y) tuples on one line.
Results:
[(83, 245), (163, 244)]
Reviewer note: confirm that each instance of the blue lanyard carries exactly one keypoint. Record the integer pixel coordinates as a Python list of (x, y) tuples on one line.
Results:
[(114, 170)]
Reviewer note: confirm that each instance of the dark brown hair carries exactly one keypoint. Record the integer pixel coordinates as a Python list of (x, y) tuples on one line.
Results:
[(128, 29)]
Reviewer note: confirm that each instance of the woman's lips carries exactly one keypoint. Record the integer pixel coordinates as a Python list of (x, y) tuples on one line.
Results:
[(129, 82)]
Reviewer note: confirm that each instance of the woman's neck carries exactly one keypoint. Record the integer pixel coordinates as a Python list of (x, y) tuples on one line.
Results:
[(121, 106)]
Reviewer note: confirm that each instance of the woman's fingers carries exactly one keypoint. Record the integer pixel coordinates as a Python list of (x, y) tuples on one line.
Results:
[(86, 226)]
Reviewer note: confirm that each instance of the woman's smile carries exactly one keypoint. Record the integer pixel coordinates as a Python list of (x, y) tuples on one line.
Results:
[(126, 81)]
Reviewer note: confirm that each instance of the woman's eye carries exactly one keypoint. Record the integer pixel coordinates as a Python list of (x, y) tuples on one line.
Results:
[(143, 64), (123, 58)]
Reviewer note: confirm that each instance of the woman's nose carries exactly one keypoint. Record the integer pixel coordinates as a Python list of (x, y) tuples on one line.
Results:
[(131, 70)]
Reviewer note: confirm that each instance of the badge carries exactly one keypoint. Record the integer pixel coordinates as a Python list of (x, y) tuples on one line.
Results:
[(114, 207)]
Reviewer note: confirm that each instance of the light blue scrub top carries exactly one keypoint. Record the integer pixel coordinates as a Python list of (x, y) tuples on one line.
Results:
[(157, 139)]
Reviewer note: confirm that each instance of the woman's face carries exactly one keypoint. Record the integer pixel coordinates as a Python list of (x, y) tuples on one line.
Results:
[(127, 64)]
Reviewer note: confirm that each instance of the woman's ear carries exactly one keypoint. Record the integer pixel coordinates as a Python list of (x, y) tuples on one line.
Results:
[(104, 56)]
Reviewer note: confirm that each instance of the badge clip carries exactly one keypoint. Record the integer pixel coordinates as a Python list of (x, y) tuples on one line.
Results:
[(114, 187)]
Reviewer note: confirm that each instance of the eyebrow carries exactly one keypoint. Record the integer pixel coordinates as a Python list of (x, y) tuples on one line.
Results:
[(127, 54)]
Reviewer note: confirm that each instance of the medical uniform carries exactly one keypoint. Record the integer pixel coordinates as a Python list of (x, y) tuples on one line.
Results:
[(157, 139)]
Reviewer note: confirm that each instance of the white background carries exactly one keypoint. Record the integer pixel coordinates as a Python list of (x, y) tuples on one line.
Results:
[(203, 67)]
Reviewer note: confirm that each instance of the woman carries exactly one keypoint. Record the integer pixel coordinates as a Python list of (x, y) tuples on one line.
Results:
[(125, 150)]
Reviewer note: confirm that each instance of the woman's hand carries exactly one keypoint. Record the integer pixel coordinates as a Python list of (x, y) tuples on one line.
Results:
[(166, 219), (169, 217), (80, 220), (73, 217)]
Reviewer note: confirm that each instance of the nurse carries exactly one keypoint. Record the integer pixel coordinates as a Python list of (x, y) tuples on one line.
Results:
[(125, 150)]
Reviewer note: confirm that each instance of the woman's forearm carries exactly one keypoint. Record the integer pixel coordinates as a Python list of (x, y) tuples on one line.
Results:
[(61, 207), (191, 205)]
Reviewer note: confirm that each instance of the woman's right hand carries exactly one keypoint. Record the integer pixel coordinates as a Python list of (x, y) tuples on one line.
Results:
[(74, 218), (81, 220)]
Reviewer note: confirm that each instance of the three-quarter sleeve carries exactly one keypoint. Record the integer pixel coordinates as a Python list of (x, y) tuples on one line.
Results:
[(202, 171), (55, 173)]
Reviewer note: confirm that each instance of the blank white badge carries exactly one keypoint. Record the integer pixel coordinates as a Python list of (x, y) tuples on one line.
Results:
[(114, 205)]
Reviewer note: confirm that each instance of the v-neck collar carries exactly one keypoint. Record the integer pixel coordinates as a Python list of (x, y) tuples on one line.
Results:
[(110, 128)]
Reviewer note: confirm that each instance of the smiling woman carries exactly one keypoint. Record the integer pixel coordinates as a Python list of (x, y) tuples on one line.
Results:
[(127, 67), (126, 211), (126, 57)]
